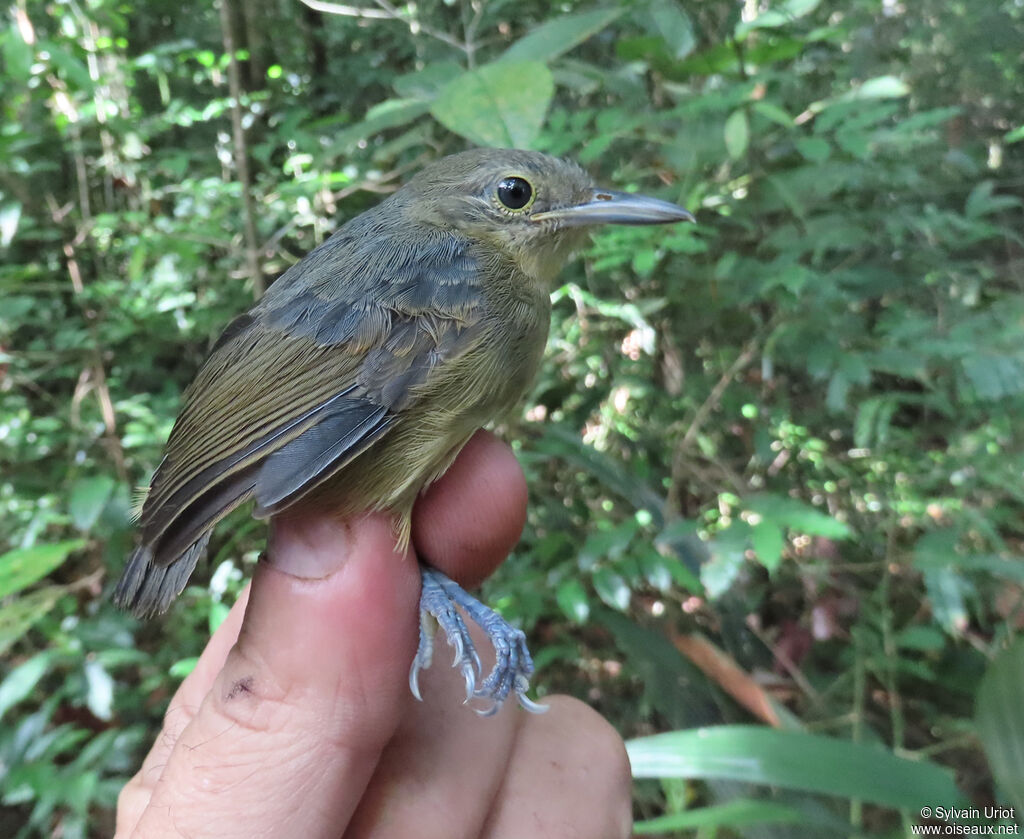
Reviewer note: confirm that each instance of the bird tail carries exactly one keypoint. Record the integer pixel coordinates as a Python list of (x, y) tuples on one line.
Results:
[(146, 588)]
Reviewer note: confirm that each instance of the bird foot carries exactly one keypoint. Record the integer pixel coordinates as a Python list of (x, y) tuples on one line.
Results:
[(513, 665)]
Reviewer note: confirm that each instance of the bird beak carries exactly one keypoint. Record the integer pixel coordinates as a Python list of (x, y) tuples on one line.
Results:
[(607, 206)]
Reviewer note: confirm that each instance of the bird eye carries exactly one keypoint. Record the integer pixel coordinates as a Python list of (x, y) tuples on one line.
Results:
[(515, 193)]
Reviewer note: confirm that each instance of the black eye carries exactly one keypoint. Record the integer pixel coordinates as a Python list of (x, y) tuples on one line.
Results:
[(515, 193)]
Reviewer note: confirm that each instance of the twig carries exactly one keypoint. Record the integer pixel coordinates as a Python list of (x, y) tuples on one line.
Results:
[(386, 11), (415, 27), (97, 371), (469, 32), (346, 11), (252, 253), (701, 416)]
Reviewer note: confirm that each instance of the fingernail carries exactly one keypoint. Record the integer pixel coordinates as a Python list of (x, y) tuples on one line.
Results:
[(310, 547)]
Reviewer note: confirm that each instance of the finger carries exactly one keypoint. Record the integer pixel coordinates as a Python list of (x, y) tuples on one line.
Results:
[(307, 697), (444, 766), (468, 521), (568, 776), (180, 711)]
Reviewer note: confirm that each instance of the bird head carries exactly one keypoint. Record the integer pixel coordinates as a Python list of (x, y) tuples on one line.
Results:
[(531, 207)]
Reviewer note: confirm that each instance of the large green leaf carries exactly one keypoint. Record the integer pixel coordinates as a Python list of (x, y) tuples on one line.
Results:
[(501, 104), (22, 567), (21, 681), (88, 498), (668, 20), (1001, 723), (558, 36), (18, 616), (793, 760)]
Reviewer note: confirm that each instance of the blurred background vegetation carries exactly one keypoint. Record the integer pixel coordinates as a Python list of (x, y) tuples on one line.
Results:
[(775, 459)]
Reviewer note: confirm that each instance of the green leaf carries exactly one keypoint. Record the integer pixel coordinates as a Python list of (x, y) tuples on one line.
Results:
[(780, 15), (773, 112), (391, 113), (727, 550), (17, 56), (936, 557), (672, 685), (738, 813), (873, 420), (814, 149), (181, 668), (558, 36), (981, 202), (18, 616), (793, 760), (22, 567), (881, 87), (768, 540), (612, 589), (10, 215), (921, 639), (737, 134), (88, 498), (1000, 722), (669, 21), (572, 600), (73, 70), (501, 104), (796, 515), (426, 83), (21, 681)]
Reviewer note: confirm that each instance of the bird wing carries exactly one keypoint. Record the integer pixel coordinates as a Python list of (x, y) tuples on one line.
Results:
[(320, 370)]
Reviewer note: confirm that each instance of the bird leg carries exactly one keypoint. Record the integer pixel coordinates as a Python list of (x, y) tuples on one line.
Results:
[(513, 666)]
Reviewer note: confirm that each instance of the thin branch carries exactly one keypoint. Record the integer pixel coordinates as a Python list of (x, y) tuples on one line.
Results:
[(470, 32), (346, 11), (252, 253), (96, 371), (386, 11), (415, 27), (701, 416)]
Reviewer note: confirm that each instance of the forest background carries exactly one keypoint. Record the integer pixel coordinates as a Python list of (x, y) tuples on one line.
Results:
[(775, 459)]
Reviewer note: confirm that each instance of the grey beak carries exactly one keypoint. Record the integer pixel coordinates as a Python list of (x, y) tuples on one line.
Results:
[(610, 207)]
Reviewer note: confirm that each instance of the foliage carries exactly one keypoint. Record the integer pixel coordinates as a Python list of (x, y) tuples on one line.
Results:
[(789, 435)]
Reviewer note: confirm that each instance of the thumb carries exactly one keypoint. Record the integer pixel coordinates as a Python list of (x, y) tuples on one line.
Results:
[(308, 696)]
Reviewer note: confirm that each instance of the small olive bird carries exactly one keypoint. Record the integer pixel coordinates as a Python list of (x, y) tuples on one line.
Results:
[(361, 373)]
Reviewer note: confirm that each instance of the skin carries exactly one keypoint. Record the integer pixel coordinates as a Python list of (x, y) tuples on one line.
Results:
[(297, 720)]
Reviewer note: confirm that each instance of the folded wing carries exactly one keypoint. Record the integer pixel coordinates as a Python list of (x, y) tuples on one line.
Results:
[(318, 372)]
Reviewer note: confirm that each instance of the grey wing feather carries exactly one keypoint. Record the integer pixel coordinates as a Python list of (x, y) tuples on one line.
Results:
[(345, 430)]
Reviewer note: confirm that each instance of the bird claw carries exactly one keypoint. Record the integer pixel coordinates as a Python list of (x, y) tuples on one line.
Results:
[(513, 664)]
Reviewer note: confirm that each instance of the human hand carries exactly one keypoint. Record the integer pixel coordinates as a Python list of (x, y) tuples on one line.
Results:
[(298, 720)]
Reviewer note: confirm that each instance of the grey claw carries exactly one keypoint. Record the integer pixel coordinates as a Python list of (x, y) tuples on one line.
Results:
[(489, 712), (530, 705), (513, 665), (414, 680)]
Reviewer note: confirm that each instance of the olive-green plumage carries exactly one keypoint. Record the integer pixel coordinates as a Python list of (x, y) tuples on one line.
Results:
[(366, 367)]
